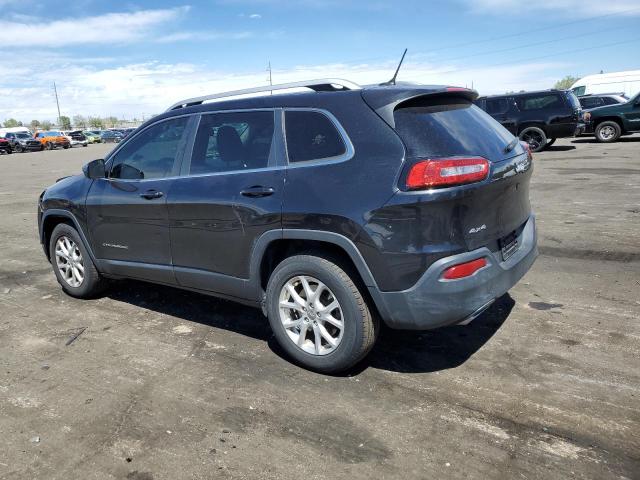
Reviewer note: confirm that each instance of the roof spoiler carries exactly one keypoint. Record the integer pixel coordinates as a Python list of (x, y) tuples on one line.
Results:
[(385, 101)]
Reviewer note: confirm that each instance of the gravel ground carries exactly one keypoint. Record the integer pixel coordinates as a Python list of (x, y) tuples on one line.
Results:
[(167, 384)]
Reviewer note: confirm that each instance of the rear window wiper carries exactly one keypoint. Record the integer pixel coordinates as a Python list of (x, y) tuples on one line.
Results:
[(512, 144)]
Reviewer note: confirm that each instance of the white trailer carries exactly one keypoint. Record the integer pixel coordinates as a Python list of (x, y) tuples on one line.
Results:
[(617, 82), (4, 131)]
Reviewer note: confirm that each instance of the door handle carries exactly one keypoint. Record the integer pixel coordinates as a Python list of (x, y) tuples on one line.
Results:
[(151, 194), (257, 191)]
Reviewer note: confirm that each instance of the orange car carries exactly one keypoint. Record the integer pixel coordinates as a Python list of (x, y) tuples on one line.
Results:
[(52, 139)]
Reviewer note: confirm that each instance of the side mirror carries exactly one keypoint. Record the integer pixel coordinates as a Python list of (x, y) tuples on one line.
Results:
[(94, 169)]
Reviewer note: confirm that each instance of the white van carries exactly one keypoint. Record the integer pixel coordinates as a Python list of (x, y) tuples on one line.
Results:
[(618, 82)]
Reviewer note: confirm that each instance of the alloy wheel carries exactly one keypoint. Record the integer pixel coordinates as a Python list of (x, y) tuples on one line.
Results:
[(69, 261), (311, 315), (607, 132), (534, 139)]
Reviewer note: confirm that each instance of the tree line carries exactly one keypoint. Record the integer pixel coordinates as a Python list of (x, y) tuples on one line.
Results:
[(65, 123)]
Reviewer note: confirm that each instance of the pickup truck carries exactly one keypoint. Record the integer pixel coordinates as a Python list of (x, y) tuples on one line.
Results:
[(51, 140)]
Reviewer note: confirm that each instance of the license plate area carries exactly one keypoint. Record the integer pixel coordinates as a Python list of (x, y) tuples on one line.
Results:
[(508, 245)]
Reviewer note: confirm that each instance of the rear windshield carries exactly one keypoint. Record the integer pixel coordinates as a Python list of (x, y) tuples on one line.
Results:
[(573, 101), (446, 126)]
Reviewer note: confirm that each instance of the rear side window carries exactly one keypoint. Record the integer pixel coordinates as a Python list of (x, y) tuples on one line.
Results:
[(539, 102), (590, 102), (232, 141), (152, 153), (312, 136), (446, 126), (497, 106)]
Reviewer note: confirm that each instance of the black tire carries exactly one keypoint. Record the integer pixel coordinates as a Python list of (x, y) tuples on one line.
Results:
[(551, 141), (48, 146), (360, 327), (93, 283), (608, 132), (9, 151), (66, 146), (19, 149), (535, 137)]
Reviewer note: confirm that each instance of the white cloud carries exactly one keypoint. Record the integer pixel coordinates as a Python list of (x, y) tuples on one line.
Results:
[(110, 28), (145, 88), (255, 15), (203, 36), (581, 8)]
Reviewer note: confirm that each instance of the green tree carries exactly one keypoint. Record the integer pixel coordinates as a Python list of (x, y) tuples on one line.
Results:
[(11, 122), (79, 121), (95, 122), (35, 124), (65, 122), (45, 125), (566, 82), (110, 121)]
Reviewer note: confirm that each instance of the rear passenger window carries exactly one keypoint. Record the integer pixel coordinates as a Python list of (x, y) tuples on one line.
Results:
[(312, 136), (232, 141), (497, 106), (538, 102), (152, 153)]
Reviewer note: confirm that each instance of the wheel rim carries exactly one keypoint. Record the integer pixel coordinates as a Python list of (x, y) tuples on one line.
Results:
[(69, 261), (607, 132), (311, 315), (534, 139)]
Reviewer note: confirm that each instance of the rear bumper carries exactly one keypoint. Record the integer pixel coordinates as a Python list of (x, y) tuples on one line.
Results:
[(434, 302)]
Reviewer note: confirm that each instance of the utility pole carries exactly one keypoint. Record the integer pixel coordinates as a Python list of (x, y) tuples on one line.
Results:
[(55, 90), (270, 78)]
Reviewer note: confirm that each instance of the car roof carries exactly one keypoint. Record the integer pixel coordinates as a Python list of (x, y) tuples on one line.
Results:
[(533, 92)]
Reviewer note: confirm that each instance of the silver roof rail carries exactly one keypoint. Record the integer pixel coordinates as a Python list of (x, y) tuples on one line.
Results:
[(320, 85)]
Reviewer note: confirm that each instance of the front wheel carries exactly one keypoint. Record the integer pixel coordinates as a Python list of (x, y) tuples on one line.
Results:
[(72, 265), (318, 314), (551, 141), (608, 132), (48, 146), (535, 137)]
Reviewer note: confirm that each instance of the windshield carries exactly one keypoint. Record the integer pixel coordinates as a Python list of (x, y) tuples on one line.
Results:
[(445, 126), (22, 135)]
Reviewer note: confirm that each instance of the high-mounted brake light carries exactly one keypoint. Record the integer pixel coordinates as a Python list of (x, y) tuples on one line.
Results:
[(446, 172), (457, 89), (464, 269)]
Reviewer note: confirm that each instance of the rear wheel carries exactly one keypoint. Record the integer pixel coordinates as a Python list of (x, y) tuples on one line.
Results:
[(318, 314), (607, 132), (72, 264), (535, 137)]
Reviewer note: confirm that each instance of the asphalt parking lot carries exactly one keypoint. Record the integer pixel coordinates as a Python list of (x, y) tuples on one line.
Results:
[(166, 384)]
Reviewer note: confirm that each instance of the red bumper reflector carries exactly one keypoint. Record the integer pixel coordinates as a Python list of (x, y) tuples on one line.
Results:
[(464, 269)]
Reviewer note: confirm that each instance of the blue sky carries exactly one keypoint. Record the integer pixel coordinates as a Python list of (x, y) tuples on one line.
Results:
[(135, 59)]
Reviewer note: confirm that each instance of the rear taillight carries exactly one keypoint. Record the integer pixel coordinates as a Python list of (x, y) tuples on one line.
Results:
[(446, 172), (527, 148), (463, 270)]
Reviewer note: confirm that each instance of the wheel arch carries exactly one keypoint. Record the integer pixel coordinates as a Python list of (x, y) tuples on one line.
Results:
[(274, 246), (536, 124), (51, 219)]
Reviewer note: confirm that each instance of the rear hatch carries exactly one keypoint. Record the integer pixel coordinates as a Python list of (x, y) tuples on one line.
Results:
[(448, 125)]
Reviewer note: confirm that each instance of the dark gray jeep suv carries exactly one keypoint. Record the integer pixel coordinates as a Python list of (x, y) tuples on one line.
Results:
[(331, 209)]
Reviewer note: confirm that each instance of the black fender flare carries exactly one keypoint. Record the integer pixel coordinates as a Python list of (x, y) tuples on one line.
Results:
[(55, 212)]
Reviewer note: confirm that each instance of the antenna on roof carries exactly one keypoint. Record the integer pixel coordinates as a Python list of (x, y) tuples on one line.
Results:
[(395, 75)]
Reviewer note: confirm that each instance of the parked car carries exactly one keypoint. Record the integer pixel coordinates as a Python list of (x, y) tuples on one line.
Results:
[(407, 204), (5, 146), (109, 136), (76, 137), (23, 142), (52, 139), (92, 136), (608, 123), (538, 118), (601, 99)]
